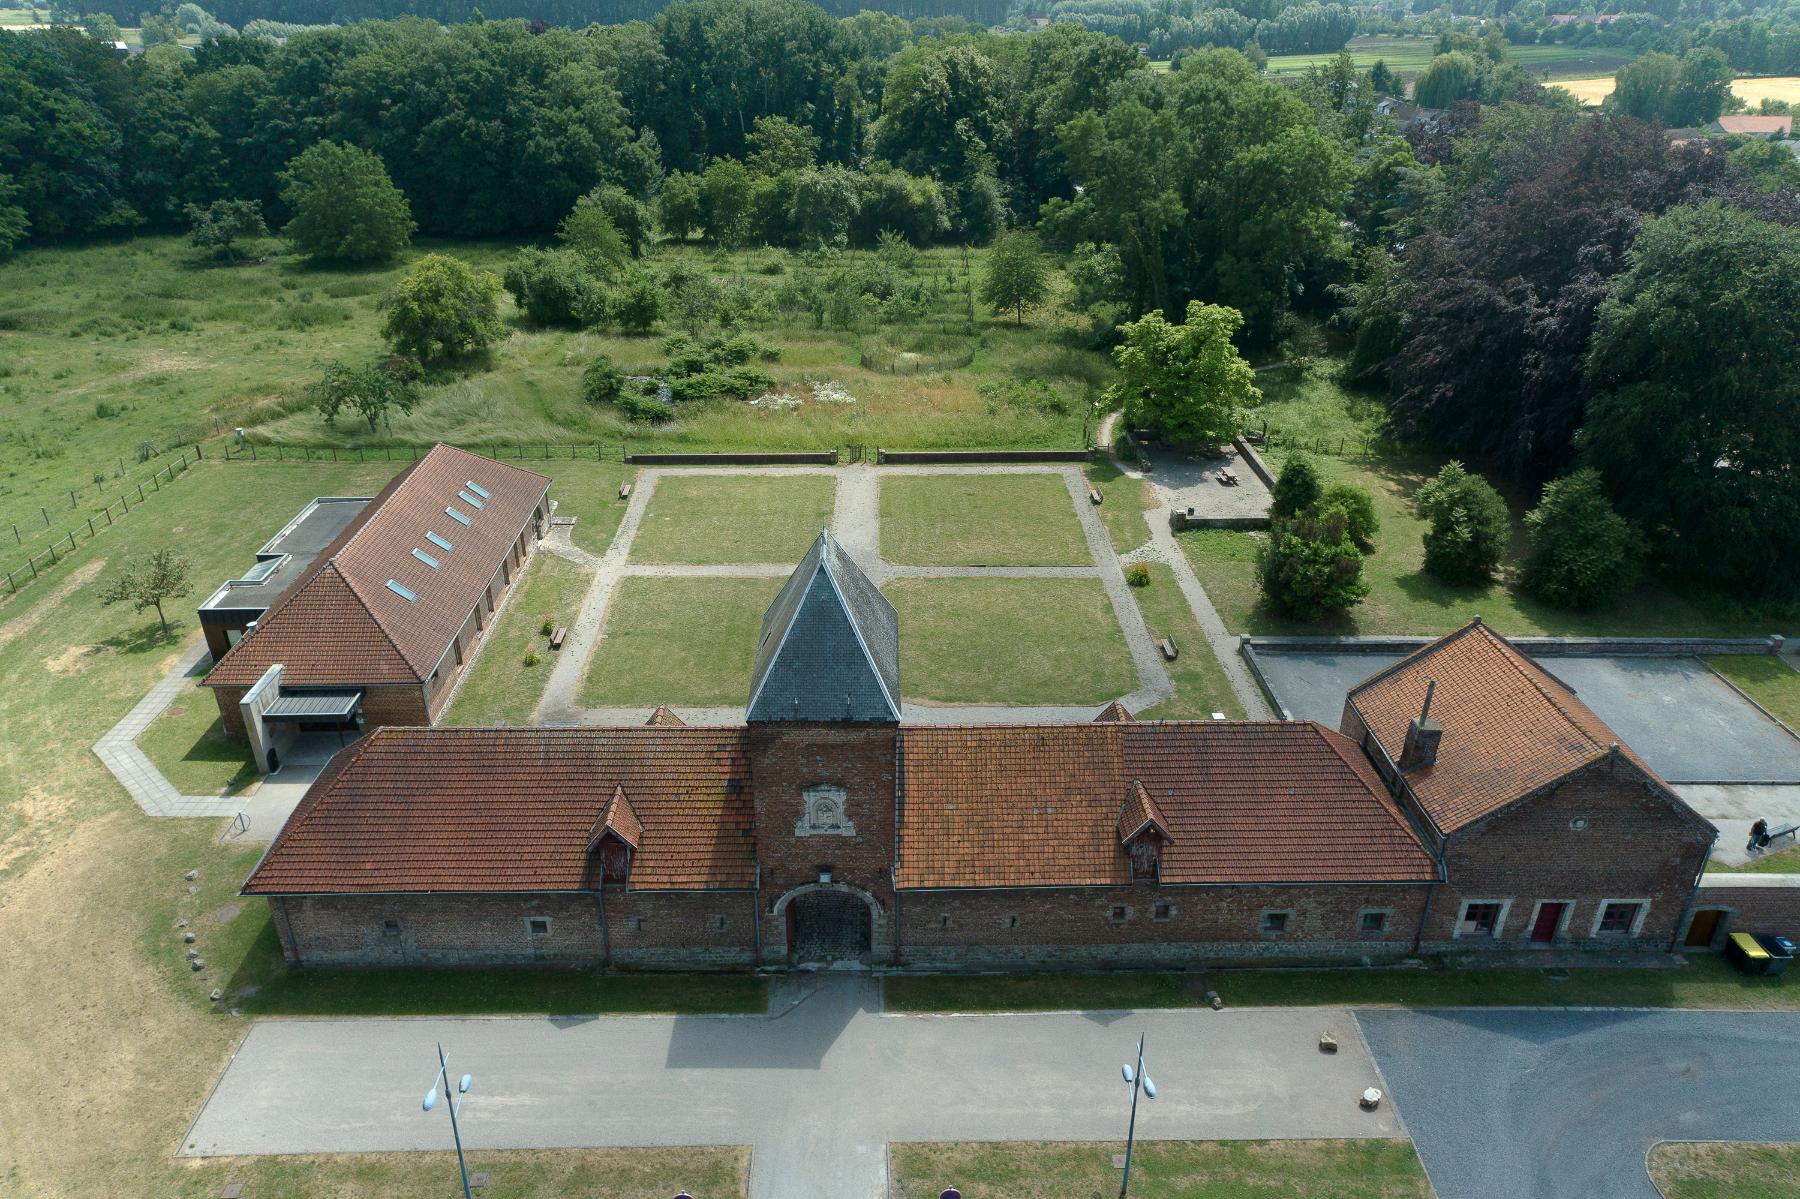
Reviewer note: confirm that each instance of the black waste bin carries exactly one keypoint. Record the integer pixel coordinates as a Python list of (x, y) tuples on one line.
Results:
[(1781, 953)]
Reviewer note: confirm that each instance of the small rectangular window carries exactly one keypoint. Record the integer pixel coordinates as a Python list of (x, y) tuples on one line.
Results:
[(1619, 918), (538, 926), (470, 500), (440, 542), (1275, 922), (1119, 914), (456, 516), (721, 923), (1162, 911), (1012, 922), (635, 924), (390, 928), (1479, 920), (426, 558), (478, 489), (1373, 922), (943, 922), (404, 593)]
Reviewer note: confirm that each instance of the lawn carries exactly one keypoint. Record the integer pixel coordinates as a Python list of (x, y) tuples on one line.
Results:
[(682, 642), (713, 1171), (503, 688), (1312, 407), (188, 744), (1009, 641), (1771, 681), (980, 520), (1201, 687), (1724, 1170), (1125, 503), (724, 519), (1367, 1169), (589, 491), (1706, 982)]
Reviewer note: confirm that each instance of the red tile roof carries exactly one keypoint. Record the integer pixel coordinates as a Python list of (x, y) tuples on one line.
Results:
[(663, 718), (1752, 123), (620, 820), (469, 809), (1509, 726), (341, 623), (1114, 713), (1040, 805)]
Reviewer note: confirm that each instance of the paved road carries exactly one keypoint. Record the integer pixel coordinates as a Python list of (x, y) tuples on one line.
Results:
[(817, 1091), (1565, 1105)]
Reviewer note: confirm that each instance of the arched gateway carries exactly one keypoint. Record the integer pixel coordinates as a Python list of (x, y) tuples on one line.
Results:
[(828, 923)]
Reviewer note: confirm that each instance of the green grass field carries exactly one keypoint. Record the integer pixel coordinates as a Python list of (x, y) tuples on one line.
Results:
[(1124, 503), (501, 688), (1367, 1169), (1772, 682), (589, 491), (721, 519), (980, 520), (1411, 55), (1724, 1170), (188, 744), (1201, 687), (682, 642), (1009, 641)]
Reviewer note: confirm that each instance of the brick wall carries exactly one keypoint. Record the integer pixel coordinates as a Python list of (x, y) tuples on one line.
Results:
[(397, 704), (790, 757), (230, 715), (1635, 845), (678, 930), (1077, 927), (1752, 908)]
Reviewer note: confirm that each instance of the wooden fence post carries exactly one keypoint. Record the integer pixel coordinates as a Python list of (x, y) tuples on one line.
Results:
[(90, 526), (140, 493), (108, 511)]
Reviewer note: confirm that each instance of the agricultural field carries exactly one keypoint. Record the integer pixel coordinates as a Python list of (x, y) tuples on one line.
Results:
[(1410, 55), (1752, 90)]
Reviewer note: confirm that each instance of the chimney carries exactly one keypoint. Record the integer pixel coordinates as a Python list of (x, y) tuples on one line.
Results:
[(1422, 735)]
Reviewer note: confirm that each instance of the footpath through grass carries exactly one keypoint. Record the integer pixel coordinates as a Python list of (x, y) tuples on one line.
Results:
[(1705, 982), (1125, 504), (1201, 687), (1368, 1169), (503, 687), (1725, 1170), (980, 520)]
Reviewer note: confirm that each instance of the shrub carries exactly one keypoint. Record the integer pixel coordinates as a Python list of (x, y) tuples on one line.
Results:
[(1469, 526), (1137, 574), (531, 657), (639, 403), (1310, 567), (555, 287), (442, 308), (602, 381), (345, 207), (1358, 507), (637, 304), (1583, 553), (549, 625), (1296, 487)]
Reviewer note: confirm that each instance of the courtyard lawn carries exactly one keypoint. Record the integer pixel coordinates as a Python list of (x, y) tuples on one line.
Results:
[(727, 519), (1201, 687), (1771, 681), (710, 1170), (980, 520), (1368, 1169), (589, 491), (683, 642), (1009, 641), (189, 745), (1724, 1170), (1705, 982), (1125, 504), (502, 688)]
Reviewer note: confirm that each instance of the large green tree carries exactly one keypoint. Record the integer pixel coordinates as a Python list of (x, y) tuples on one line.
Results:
[(345, 207), (1691, 90), (1018, 274), (1695, 420), (442, 308), (1186, 381)]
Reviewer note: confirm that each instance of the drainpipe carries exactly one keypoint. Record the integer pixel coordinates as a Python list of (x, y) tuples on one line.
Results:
[(605, 932), (293, 945), (1424, 915), (756, 913)]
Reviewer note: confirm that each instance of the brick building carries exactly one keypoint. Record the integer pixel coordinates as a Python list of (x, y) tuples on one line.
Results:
[(1497, 813), (374, 629)]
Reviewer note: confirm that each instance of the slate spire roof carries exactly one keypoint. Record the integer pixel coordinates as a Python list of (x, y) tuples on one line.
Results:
[(830, 645)]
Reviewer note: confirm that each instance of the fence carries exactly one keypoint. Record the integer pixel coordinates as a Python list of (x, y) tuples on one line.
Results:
[(64, 545), (1331, 447), (250, 452)]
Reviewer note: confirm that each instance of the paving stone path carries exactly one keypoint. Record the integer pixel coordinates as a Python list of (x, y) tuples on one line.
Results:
[(148, 786)]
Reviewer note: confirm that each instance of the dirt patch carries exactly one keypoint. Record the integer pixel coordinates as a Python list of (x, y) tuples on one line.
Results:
[(12, 630), (72, 659), (226, 914)]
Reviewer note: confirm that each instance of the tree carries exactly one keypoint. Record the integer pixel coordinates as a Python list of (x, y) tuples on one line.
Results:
[(442, 308), (14, 224), (1447, 79), (148, 582), (1660, 88), (778, 145), (678, 205), (345, 207), (590, 232), (374, 392), (1361, 522), (725, 201), (221, 224), (555, 288), (1297, 486), (1185, 381), (1695, 417), (1469, 526), (1018, 274), (637, 303), (102, 27), (1583, 553), (1382, 80), (1310, 568), (602, 381)]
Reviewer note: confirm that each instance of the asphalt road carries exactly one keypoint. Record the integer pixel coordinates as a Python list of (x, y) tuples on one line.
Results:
[(1565, 1105), (818, 1092)]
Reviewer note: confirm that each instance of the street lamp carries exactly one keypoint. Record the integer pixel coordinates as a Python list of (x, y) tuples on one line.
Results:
[(1137, 1080), (455, 1105)]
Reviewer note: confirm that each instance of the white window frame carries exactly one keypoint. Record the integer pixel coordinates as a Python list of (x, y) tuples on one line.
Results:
[(1289, 918), (1637, 922), (1562, 925), (1387, 922), (1462, 917)]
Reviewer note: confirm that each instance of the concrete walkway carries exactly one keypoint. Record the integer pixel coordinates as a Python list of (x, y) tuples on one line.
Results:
[(818, 1091), (152, 790)]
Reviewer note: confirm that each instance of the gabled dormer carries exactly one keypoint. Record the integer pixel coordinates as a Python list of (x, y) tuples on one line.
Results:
[(613, 841), (1143, 832)]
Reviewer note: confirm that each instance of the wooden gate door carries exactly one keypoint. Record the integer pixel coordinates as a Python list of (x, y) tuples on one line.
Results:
[(1703, 928)]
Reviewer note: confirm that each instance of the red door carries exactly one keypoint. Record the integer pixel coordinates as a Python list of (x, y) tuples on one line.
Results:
[(1549, 917)]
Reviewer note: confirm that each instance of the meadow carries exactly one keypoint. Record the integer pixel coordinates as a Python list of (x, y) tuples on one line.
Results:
[(1410, 55), (1752, 90)]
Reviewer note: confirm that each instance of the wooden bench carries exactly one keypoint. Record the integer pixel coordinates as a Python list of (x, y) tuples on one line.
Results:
[(1168, 648), (556, 636), (1094, 496), (624, 491)]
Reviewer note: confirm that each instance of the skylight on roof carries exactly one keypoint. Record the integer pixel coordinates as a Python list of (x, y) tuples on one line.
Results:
[(426, 558), (470, 500), (454, 515), (403, 592), (440, 543), (479, 490)]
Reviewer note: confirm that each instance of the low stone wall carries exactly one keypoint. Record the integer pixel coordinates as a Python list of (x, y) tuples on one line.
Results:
[(1537, 647), (1254, 461), (745, 459), (940, 457), (1179, 520)]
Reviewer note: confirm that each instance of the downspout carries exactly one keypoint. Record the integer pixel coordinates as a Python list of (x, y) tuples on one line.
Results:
[(756, 913), (1424, 915), (605, 932)]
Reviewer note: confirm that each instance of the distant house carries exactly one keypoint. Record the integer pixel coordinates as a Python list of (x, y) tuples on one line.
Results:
[(1755, 126), (1683, 135), (377, 625), (1405, 114)]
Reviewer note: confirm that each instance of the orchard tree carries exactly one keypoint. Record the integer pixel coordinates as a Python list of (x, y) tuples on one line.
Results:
[(1583, 553), (443, 308), (223, 223), (374, 392), (345, 207), (1018, 274), (149, 582), (1187, 382), (1469, 526)]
